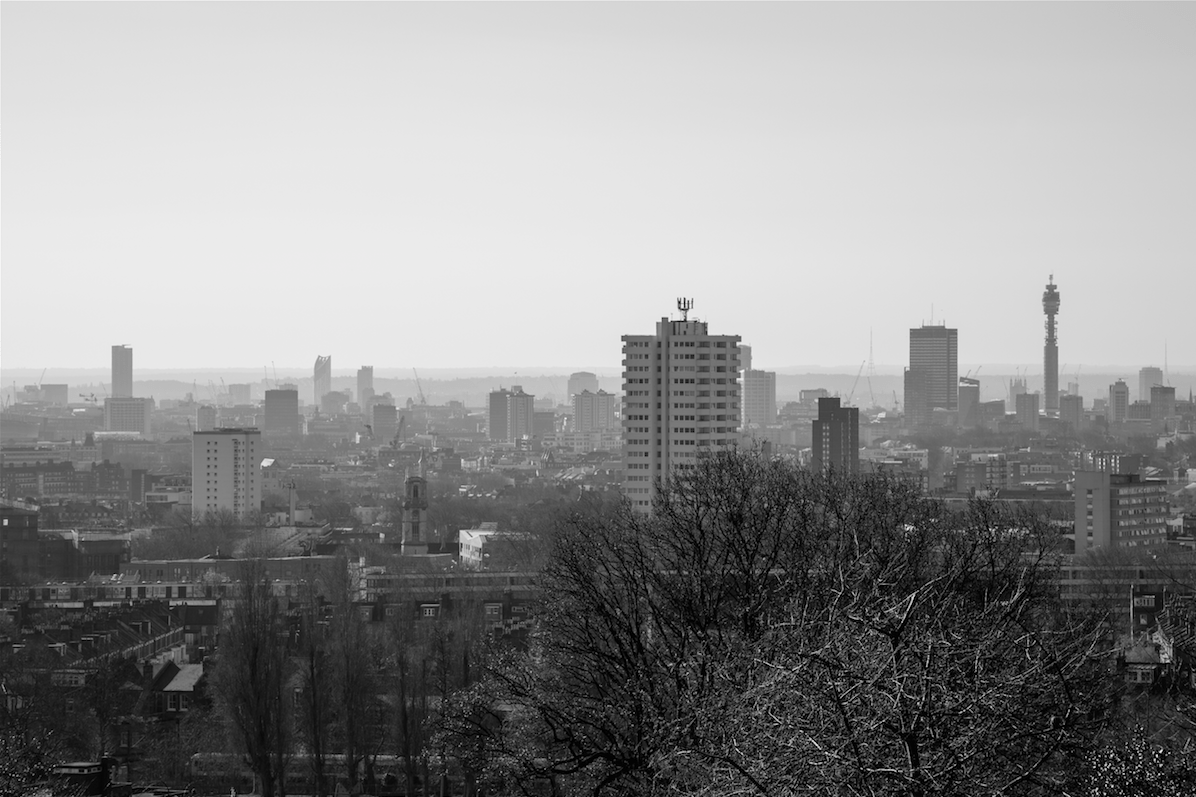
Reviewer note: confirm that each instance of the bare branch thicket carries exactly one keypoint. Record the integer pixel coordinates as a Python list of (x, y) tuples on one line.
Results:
[(772, 631)]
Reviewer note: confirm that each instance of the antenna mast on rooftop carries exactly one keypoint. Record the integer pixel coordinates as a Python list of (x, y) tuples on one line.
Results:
[(685, 305)]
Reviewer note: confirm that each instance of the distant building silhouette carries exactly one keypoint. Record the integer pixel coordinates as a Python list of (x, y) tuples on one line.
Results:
[(521, 419), (933, 377), (580, 381), (496, 406), (836, 438), (240, 394), (968, 416), (205, 418), (1162, 407), (1147, 378), (1071, 411), (365, 385), (281, 410), (680, 401), (128, 414), (322, 377), (1050, 352), (385, 424), (1118, 408), (122, 371), (225, 471), (759, 397), (1026, 407)]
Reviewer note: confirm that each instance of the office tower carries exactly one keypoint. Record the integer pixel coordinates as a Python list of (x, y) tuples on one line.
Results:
[(1026, 407), (593, 412), (205, 418), (322, 377), (1147, 378), (128, 414), (580, 382), (385, 423), (497, 415), (1162, 406), (1119, 510), (680, 401), (365, 385), (240, 394), (224, 471), (1118, 408), (521, 420), (759, 398), (122, 371), (836, 438), (543, 424), (281, 409), (933, 373), (1050, 351), (969, 403), (1071, 411)]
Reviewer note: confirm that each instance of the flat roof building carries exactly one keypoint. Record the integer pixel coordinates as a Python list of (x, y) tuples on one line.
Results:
[(225, 471), (122, 371)]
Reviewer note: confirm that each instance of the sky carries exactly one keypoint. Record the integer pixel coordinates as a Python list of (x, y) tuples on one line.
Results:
[(474, 185)]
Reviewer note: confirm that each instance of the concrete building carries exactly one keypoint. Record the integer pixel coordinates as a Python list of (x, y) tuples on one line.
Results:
[(681, 401), (759, 398), (1119, 510), (385, 422), (836, 438), (745, 358), (580, 382), (1162, 406), (594, 412), (281, 410), (1071, 411), (240, 394), (225, 476), (58, 395), (365, 385), (1026, 407), (122, 371), (496, 406), (969, 403), (1147, 378), (934, 365), (322, 377), (812, 395), (1118, 408), (1050, 351), (128, 414), (205, 418), (521, 418)]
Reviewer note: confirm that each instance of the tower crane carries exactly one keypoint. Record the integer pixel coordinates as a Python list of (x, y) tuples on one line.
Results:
[(856, 382), (419, 388)]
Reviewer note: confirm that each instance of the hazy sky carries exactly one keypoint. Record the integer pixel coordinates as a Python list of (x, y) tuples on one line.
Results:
[(491, 184)]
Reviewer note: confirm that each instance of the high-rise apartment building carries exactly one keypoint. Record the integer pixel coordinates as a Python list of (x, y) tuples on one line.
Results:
[(205, 418), (759, 398), (680, 401), (322, 377), (122, 371), (1162, 406), (224, 471), (128, 414), (745, 358), (521, 414), (933, 377), (1118, 408), (365, 385), (1119, 510), (1147, 378), (1050, 351), (594, 412), (1071, 411), (281, 410), (496, 407), (968, 416), (385, 424), (580, 382), (1026, 407), (836, 438)]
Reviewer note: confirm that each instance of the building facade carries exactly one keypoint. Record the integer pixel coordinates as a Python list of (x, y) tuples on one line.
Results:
[(365, 385), (759, 398), (128, 414), (1147, 378), (680, 401), (1026, 407), (580, 382), (933, 372), (968, 416), (225, 475), (1118, 408), (322, 377), (594, 412), (205, 418), (1119, 510), (1071, 411), (496, 410), (122, 371), (521, 414), (281, 410), (836, 438)]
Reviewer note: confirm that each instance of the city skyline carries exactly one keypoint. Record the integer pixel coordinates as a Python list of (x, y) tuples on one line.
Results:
[(946, 159)]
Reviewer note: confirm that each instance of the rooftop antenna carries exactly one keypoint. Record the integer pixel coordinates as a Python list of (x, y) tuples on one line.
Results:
[(685, 305)]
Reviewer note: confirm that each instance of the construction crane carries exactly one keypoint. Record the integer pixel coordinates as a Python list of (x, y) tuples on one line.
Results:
[(90, 398), (419, 388), (399, 432), (855, 383)]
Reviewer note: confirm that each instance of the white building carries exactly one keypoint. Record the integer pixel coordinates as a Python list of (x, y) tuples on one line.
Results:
[(593, 412), (680, 401), (225, 471), (759, 398), (128, 414)]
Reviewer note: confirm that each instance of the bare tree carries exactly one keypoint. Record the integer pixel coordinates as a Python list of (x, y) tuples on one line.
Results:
[(251, 678)]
